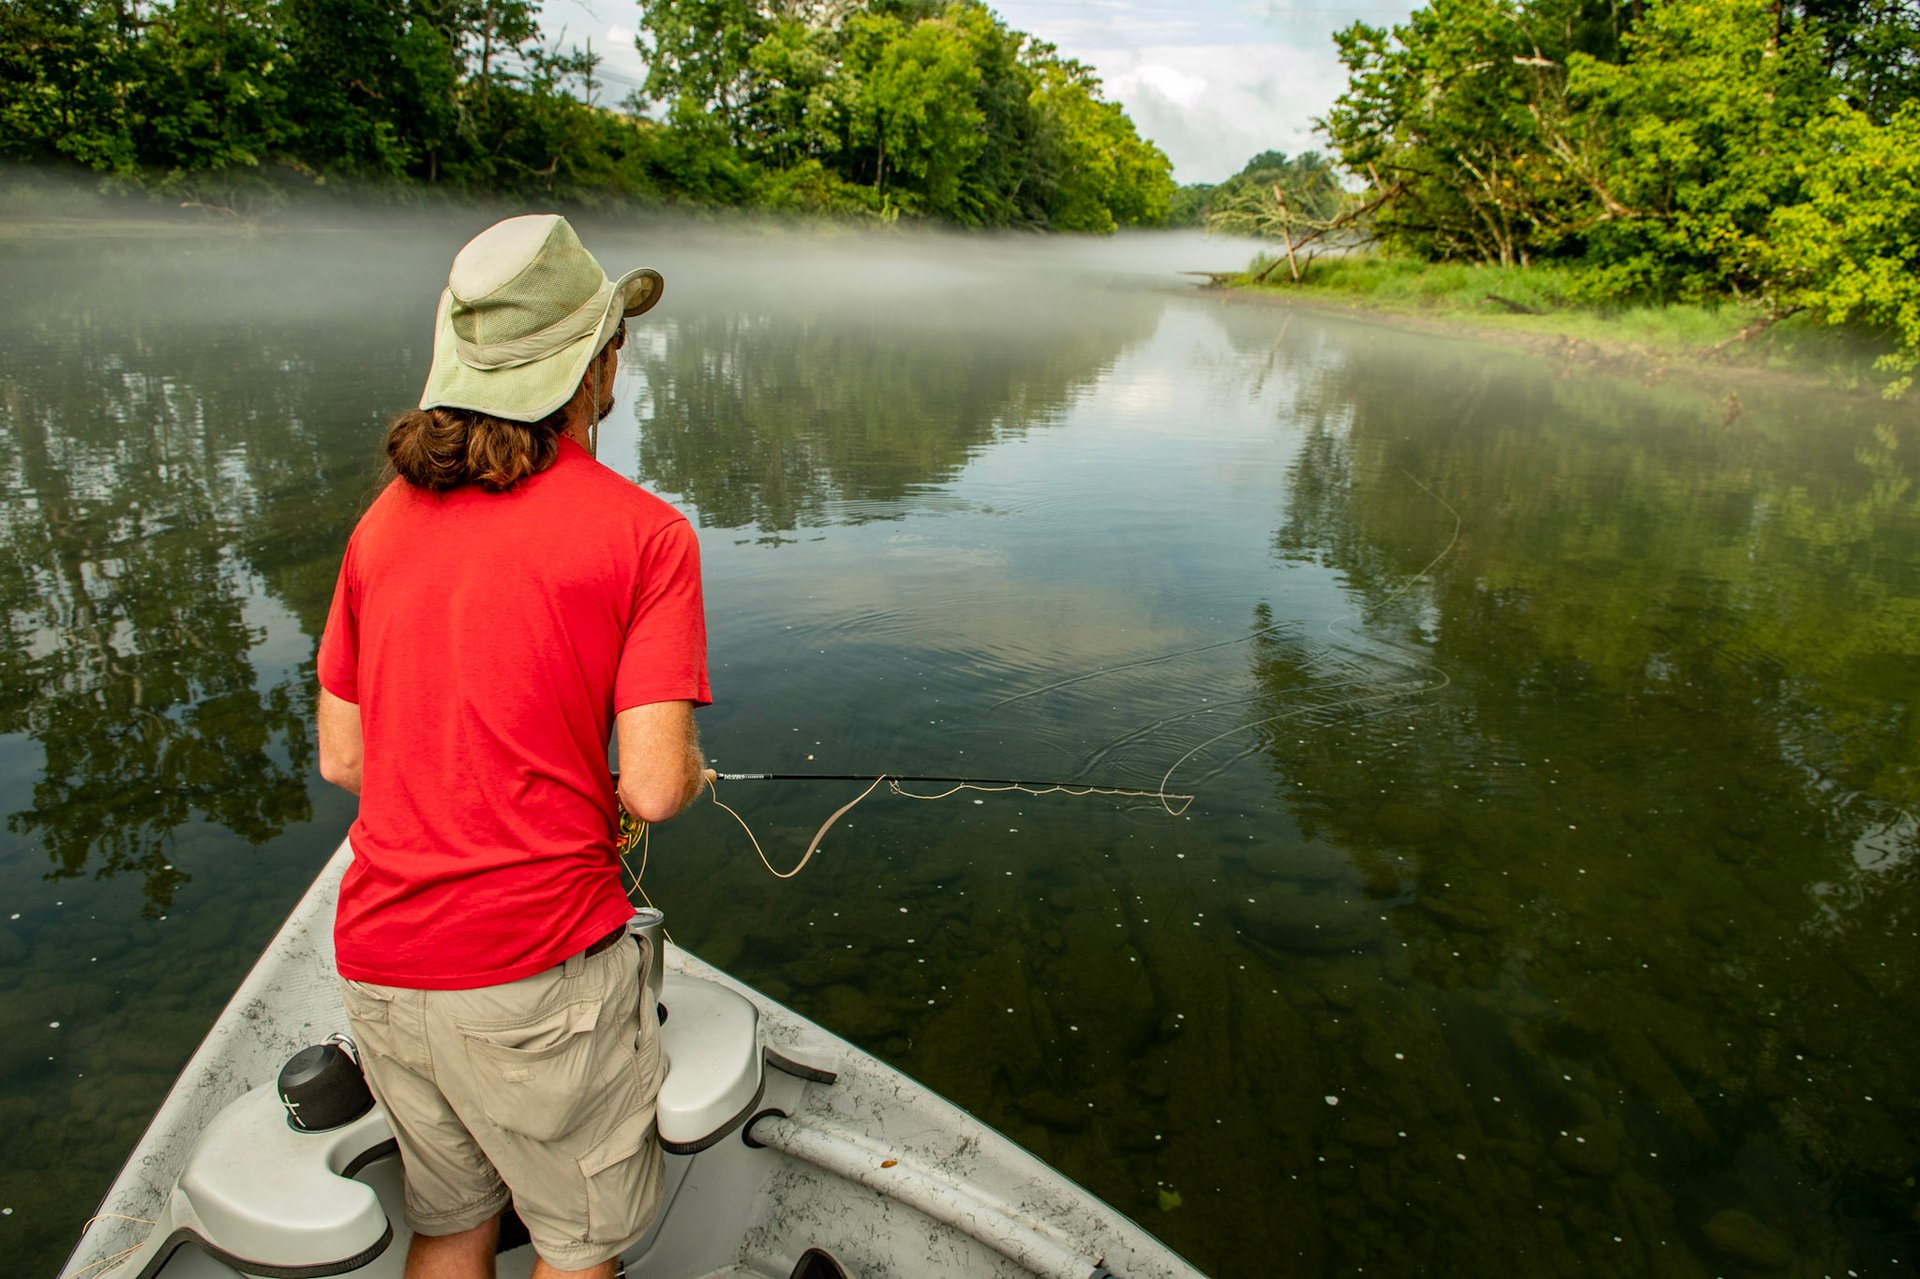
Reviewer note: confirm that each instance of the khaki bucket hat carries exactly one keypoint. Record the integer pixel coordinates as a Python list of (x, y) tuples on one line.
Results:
[(525, 308)]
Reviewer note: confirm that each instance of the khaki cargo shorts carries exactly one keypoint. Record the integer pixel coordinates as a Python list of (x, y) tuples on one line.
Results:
[(541, 1090)]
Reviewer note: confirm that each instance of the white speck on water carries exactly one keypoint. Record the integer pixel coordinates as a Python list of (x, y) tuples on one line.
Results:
[(1457, 1155), (903, 910), (53, 1025), (1332, 1100), (1399, 1056), (16, 915), (979, 801)]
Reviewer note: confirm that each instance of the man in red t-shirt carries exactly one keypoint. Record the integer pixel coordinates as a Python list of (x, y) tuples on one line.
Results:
[(505, 606)]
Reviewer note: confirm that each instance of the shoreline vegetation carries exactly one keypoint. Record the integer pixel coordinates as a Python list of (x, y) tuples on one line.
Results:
[(1540, 308), (1724, 158), (873, 110)]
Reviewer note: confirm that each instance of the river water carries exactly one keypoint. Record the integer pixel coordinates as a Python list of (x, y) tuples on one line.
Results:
[(1547, 904)]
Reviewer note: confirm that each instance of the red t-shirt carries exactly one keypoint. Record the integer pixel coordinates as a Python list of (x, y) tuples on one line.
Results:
[(489, 639)]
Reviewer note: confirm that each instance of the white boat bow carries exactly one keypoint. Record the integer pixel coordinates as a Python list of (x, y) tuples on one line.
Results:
[(781, 1137)]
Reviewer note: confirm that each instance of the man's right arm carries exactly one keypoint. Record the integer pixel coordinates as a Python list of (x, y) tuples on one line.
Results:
[(661, 767), (341, 746)]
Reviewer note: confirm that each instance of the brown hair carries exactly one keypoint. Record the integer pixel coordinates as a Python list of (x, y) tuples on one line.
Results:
[(439, 449)]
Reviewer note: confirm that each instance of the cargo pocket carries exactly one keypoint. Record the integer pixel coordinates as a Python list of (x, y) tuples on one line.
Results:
[(624, 1176), (536, 1079)]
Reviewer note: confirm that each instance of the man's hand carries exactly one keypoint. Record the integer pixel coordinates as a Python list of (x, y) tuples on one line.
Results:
[(661, 767)]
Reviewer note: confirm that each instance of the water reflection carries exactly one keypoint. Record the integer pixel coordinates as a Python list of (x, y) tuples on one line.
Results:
[(784, 416), (1646, 861), (172, 480), (1553, 735)]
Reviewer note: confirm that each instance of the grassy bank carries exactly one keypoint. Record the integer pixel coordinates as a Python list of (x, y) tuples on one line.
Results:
[(1548, 306)]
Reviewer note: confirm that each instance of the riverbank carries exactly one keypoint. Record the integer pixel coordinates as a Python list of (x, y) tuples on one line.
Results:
[(1541, 309)]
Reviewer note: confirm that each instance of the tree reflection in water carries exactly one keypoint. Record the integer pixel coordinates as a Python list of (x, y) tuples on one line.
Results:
[(1648, 855), (821, 417), (172, 476)]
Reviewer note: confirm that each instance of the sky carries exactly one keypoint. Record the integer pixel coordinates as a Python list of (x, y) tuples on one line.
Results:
[(1212, 82)]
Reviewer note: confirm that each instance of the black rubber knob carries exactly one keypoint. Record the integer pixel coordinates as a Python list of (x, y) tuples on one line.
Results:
[(322, 1088)]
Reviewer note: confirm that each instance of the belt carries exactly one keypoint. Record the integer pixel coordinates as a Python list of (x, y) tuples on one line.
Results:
[(605, 943)]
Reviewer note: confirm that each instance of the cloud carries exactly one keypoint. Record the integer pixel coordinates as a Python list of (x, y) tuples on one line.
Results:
[(1212, 108)]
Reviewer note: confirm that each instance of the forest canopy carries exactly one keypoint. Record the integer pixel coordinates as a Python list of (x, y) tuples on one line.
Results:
[(922, 108)]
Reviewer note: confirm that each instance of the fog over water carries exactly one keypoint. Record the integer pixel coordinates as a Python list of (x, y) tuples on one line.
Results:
[(1546, 905)]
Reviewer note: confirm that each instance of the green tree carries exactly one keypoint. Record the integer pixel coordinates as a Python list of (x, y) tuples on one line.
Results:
[(1872, 49), (1274, 189), (1706, 124), (372, 86), (1849, 248), (1463, 110), (913, 127), (1092, 170), (212, 93), (67, 70), (699, 57), (791, 100)]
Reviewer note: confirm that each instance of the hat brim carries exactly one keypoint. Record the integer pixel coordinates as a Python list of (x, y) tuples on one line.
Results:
[(528, 392)]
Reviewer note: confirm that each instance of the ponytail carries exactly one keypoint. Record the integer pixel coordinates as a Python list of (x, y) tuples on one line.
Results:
[(441, 449)]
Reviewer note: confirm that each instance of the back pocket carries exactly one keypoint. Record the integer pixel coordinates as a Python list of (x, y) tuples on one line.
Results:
[(536, 1079)]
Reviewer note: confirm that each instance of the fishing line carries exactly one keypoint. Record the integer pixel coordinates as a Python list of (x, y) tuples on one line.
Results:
[(1134, 665), (112, 1259), (1353, 674), (1298, 711), (635, 833)]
